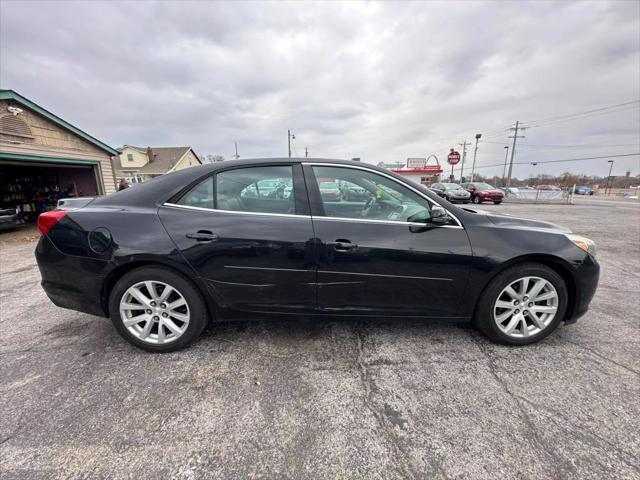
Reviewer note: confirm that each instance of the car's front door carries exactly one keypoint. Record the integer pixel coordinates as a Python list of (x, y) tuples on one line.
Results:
[(382, 255), (248, 234)]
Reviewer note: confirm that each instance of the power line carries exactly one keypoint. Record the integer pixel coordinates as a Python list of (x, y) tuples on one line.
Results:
[(585, 112), (567, 146), (556, 122), (565, 160)]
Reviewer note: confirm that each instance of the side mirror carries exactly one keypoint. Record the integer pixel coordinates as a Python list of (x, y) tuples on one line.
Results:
[(439, 215)]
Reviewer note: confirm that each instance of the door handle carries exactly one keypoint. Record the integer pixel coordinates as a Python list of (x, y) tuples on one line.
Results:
[(203, 236), (342, 245)]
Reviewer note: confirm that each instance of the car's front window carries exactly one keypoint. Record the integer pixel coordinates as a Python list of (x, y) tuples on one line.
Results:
[(483, 186), (367, 195)]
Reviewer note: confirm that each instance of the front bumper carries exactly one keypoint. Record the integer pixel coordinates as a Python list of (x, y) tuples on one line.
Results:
[(8, 222), (458, 198), (586, 278), (491, 197)]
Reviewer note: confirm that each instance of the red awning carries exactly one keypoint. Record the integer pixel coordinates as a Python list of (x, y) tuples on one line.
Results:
[(426, 169)]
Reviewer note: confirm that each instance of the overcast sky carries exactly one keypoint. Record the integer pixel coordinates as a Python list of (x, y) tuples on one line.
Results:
[(380, 81)]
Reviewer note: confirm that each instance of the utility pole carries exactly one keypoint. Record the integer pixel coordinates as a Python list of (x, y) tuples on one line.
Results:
[(464, 155), (290, 136), (608, 187), (236, 156), (513, 149), (504, 169), (475, 152), (306, 152)]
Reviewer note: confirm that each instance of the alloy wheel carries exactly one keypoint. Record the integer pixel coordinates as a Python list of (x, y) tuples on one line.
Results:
[(154, 312), (526, 307)]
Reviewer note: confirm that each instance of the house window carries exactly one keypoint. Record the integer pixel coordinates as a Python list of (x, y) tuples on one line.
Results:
[(130, 157)]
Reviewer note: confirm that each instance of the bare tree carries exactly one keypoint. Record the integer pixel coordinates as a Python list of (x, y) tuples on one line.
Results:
[(214, 158)]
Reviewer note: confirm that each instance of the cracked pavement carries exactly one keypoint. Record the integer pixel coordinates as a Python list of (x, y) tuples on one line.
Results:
[(314, 398)]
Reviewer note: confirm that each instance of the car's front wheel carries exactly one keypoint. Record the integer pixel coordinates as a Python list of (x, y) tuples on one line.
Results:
[(157, 309), (522, 304), (476, 199)]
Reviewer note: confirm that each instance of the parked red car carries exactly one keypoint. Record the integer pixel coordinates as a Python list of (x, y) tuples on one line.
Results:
[(483, 192)]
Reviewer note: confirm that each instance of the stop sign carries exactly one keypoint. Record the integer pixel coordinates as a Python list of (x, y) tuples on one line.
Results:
[(453, 157)]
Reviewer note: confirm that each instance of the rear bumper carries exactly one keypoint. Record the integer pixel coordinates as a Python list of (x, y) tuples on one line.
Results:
[(586, 279), (71, 282)]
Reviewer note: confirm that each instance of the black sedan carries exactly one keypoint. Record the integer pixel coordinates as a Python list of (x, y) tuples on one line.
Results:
[(165, 258)]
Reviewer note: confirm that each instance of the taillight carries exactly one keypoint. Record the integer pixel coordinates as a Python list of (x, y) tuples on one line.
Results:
[(47, 220)]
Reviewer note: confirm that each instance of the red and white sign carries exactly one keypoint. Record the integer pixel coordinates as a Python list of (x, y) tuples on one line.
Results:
[(416, 162), (453, 158)]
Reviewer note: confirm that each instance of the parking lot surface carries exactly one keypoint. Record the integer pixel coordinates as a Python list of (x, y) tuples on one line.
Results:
[(318, 398)]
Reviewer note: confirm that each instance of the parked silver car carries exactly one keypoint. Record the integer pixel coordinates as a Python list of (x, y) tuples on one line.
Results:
[(452, 192)]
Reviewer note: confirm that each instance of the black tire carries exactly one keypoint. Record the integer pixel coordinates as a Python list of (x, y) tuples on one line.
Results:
[(476, 199), (497, 202), (197, 307), (483, 317)]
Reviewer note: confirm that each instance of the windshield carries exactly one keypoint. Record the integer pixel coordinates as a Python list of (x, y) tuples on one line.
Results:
[(483, 186), (452, 186)]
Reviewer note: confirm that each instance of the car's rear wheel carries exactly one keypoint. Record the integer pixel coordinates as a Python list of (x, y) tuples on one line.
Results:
[(157, 309), (522, 305), (476, 199)]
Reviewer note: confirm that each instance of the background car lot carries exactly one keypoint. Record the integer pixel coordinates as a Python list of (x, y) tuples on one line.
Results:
[(308, 398)]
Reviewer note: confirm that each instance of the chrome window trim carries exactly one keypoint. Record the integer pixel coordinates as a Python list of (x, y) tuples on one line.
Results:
[(307, 217), (375, 172), (239, 212)]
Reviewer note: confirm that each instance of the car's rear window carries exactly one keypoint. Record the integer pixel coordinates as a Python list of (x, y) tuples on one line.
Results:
[(199, 196)]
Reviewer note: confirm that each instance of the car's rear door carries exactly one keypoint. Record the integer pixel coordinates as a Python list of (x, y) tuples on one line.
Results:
[(373, 261), (256, 252)]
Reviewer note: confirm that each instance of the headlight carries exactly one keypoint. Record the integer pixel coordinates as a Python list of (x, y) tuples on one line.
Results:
[(583, 243)]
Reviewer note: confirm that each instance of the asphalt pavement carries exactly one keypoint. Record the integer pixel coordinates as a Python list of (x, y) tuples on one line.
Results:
[(301, 398)]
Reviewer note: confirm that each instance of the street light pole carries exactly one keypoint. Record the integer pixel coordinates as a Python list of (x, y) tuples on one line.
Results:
[(504, 169), (475, 152), (608, 187)]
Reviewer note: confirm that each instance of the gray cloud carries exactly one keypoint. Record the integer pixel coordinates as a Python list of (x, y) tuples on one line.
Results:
[(381, 81)]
